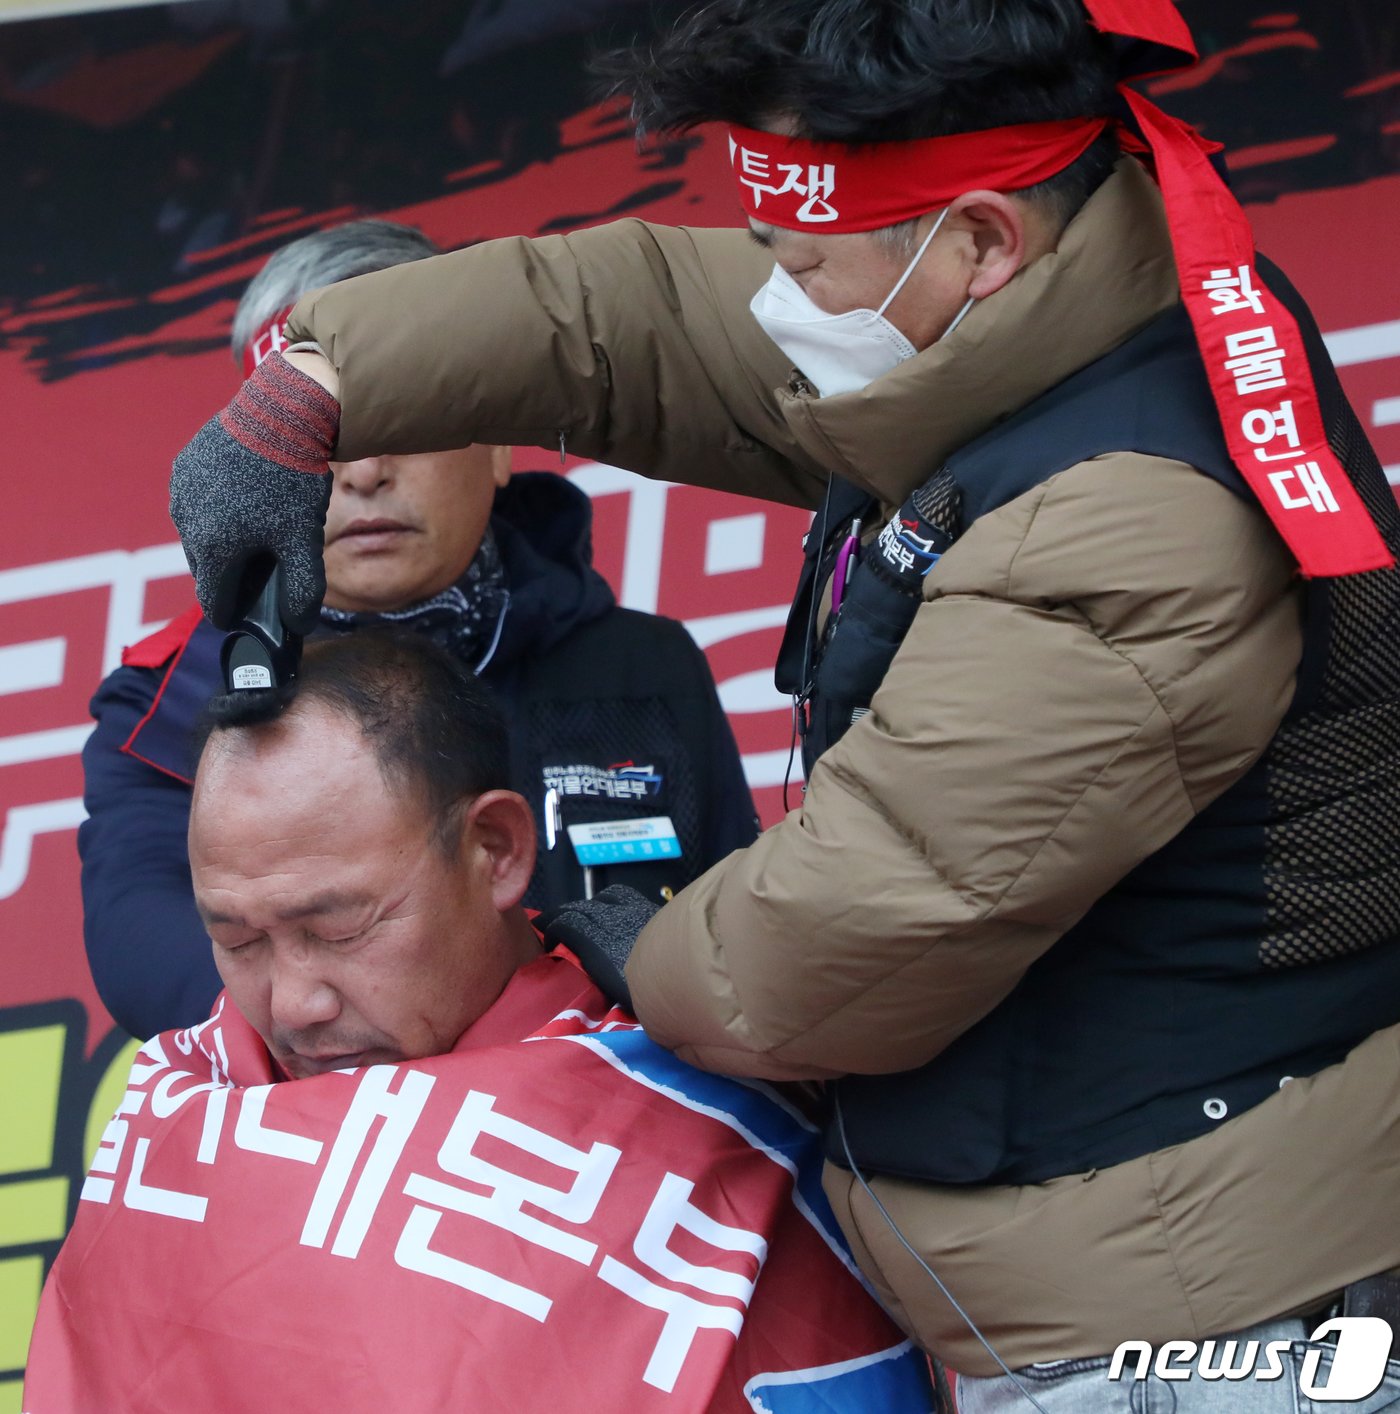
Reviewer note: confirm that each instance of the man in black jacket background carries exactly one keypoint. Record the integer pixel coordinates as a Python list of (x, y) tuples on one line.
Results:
[(612, 712)]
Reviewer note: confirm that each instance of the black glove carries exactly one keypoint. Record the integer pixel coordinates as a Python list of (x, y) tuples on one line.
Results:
[(254, 481), (601, 932)]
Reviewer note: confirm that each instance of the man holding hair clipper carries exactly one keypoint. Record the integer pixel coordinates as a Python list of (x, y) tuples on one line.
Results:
[(1090, 914)]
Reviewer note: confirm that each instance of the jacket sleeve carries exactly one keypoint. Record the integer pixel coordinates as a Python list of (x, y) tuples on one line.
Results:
[(149, 953), (1094, 664), (629, 343)]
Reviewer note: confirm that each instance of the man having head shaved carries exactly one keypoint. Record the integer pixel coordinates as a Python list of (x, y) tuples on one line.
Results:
[(359, 863), (412, 1161), (1090, 916)]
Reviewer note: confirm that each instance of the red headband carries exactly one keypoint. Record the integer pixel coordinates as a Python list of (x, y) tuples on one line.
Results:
[(271, 338), (1250, 344), (827, 186)]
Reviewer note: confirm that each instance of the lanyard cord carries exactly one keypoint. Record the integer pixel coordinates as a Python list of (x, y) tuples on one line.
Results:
[(799, 700), (908, 1247)]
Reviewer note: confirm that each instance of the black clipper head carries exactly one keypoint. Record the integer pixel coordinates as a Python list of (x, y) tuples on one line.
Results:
[(260, 652)]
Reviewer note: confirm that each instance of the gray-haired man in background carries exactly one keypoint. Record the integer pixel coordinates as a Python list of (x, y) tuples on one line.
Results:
[(616, 709)]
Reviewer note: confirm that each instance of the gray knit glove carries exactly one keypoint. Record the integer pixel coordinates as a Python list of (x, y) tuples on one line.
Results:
[(254, 481), (601, 932)]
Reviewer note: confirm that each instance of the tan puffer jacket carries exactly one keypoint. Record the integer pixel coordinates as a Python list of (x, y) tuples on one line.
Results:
[(1094, 663)]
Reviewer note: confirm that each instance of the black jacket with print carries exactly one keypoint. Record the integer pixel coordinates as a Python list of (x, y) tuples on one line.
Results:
[(615, 709)]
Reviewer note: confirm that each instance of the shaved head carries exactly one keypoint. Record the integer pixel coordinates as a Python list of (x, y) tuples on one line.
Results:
[(345, 927)]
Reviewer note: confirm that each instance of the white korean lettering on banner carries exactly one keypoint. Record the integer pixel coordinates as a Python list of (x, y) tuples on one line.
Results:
[(1265, 426), (251, 1134), (208, 1039), (575, 1204), (1369, 358), (269, 341), (639, 578), (68, 657), (97, 1188), (373, 1100), (23, 824), (756, 173), (814, 180), (1255, 361), (754, 167), (1230, 290), (151, 1062), (640, 508), (165, 1100), (151, 1198), (818, 186), (126, 574), (1317, 494), (685, 1316)]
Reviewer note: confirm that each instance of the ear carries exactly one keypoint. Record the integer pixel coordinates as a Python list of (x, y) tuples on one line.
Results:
[(499, 824), (997, 228), (500, 465)]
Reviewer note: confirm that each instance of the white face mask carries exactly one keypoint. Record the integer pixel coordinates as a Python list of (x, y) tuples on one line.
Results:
[(838, 353)]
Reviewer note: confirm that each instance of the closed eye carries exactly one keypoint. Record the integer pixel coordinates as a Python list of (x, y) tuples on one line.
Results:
[(238, 947), (342, 939)]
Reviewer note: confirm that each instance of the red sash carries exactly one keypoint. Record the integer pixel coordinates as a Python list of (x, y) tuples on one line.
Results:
[(556, 1216), (1251, 346)]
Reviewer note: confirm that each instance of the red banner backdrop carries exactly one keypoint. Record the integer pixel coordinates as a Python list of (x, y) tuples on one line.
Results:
[(156, 160)]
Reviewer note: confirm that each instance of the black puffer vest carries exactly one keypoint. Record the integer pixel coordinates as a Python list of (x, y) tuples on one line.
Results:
[(1263, 942)]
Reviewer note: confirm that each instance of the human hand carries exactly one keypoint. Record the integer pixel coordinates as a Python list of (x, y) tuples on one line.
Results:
[(254, 482), (601, 933)]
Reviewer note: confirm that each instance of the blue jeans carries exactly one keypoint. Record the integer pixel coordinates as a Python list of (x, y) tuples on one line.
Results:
[(1084, 1387)]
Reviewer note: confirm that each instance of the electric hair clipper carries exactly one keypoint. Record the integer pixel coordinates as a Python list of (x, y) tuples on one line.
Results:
[(260, 651)]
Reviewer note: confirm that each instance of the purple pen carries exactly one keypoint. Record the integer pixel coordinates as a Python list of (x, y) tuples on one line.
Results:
[(846, 559)]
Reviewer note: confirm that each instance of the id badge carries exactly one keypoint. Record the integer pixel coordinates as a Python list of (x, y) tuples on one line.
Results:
[(625, 841)]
